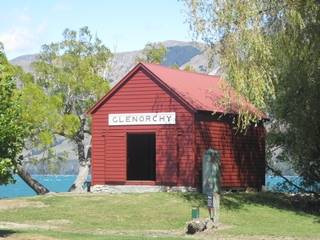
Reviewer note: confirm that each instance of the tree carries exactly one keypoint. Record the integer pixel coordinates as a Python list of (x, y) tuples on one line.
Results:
[(70, 73), (40, 112), (13, 129), (189, 68), (269, 52), (153, 53), (175, 66)]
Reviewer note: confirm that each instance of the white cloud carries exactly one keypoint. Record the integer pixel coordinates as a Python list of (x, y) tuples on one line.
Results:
[(17, 39), (21, 39)]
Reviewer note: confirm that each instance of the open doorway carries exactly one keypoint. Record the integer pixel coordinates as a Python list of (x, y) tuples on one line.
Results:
[(141, 156)]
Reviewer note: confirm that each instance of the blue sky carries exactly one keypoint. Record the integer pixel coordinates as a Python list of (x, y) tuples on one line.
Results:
[(123, 25)]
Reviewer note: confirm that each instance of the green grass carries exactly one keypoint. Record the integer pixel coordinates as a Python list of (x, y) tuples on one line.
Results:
[(267, 214), (160, 216)]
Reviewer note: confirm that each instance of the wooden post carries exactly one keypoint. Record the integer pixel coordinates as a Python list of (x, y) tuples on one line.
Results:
[(216, 208)]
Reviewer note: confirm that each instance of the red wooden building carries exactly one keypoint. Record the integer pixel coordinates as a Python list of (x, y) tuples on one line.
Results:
[(154, 126)]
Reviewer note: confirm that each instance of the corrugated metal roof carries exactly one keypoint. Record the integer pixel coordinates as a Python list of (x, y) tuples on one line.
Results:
[(202, 92)]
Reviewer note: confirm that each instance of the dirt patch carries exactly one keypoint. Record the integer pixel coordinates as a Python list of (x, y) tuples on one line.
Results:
[(13, 225), (141, 233), (58, 222), (33, 237), (49, 224), (13, 204), (212, 235)]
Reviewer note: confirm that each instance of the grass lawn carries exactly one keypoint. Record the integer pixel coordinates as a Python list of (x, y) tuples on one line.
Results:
[(154, 216)]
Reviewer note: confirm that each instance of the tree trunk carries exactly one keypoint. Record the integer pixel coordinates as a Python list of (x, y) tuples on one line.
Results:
[(84, 161), (77, 186), (34, 184)]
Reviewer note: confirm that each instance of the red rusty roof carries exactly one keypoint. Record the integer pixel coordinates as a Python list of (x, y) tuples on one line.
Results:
[(200, 91)]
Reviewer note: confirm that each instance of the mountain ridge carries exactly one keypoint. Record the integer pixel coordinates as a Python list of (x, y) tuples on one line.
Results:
[(179, 53)]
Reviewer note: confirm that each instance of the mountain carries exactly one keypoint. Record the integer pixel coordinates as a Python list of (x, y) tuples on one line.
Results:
[(178, 53), (25, 61)]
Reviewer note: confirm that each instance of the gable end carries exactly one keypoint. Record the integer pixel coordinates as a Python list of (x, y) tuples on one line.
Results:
[(153, 77)]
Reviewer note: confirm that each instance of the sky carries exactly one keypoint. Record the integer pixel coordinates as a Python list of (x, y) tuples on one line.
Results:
[(122, 25)]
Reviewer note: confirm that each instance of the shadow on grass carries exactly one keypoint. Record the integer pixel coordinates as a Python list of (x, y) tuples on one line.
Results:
[(195, 199), (236, 201), (198, 199), (6, 233), (296, 203)]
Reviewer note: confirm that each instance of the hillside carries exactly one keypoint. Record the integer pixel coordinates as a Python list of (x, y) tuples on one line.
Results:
[(178, 53)]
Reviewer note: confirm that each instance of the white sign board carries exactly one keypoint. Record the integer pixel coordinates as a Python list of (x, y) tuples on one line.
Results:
[(160, 118)]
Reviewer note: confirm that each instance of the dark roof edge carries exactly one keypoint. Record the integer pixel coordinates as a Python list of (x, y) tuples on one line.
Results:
[(92, 109), (168, 88)]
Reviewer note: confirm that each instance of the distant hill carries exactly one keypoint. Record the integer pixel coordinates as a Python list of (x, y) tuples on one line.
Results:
[(25, 61), (178, 53)]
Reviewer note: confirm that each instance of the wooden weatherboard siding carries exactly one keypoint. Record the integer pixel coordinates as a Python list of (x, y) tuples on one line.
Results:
[(180, 144), (242, 154), (174, 143)]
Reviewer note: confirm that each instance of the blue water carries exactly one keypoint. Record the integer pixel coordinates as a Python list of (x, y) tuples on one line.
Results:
[(55, 183), (61, 183), (277, 183)]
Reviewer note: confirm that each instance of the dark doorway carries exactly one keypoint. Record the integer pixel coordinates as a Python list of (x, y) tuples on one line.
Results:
[(141, 156)]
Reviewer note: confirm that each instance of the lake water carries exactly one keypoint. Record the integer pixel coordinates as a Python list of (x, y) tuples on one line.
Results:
[(55, 183), (61, 183)]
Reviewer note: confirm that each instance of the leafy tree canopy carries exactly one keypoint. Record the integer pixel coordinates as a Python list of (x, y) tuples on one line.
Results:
[(12, 127), (68, 80), (269, 52), (153, 53), (189, 68)]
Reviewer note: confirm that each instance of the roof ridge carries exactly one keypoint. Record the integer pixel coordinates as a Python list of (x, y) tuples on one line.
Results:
[(193, 94), (180, 70)]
